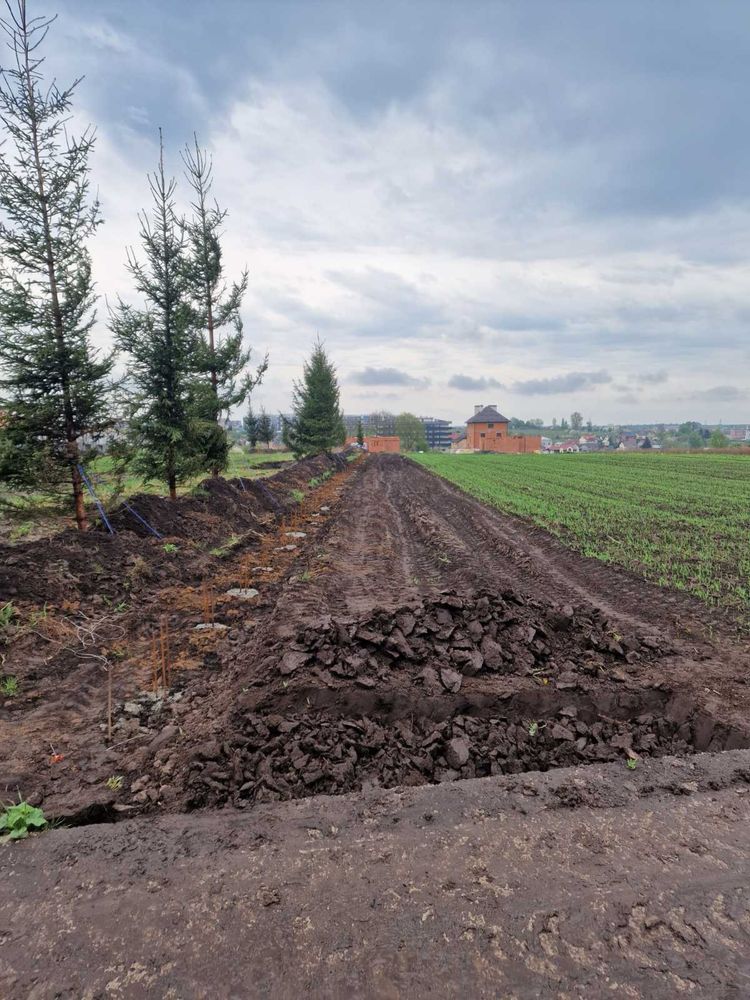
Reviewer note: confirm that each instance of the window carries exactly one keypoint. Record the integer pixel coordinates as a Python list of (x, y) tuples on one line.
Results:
[(490, 426), (481, 434)]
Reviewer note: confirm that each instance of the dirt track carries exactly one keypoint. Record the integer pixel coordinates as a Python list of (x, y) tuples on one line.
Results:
[(495, 651)]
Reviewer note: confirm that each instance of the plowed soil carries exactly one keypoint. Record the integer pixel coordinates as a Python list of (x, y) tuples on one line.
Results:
[(386, 631)]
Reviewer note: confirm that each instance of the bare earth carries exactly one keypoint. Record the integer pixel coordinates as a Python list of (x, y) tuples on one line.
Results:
[(582, 881)]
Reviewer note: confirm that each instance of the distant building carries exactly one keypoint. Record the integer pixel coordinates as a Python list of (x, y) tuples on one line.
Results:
[(487, 430), (437, 432), (566, 447), (379, 444)]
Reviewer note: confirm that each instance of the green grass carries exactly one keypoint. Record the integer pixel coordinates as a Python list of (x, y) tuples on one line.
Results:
[(241, 463), (680, 520)]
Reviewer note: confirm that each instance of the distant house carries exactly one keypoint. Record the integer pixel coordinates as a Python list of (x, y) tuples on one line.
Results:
[(379, 444), (566, 447), (487, 430)]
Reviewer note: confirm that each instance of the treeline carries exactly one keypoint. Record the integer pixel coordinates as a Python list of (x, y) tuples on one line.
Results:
[(182, 342)]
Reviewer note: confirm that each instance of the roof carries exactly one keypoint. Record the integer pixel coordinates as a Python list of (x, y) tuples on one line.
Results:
[(488, 415)]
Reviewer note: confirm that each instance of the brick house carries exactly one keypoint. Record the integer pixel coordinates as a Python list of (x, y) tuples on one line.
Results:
[(487, 430)]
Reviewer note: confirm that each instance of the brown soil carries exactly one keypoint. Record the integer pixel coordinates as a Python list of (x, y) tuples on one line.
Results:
[(403, 634)]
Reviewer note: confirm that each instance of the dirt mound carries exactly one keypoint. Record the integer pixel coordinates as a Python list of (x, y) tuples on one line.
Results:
[(243, 504), (72, 565), (459, 686), (202, 516), (458, 636)]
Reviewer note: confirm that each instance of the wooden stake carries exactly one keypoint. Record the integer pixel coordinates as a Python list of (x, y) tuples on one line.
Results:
[(162, 644)]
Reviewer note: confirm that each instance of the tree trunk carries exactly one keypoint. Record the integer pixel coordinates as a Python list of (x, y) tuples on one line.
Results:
[(172, 480), (77, 482), (80, 510), (214, 378)]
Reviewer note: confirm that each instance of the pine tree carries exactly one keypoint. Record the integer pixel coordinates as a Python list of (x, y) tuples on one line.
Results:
[(215, 306), (360, 433), (54, 386), (265, 428), (163, 346), (318, 423), (251, 426)]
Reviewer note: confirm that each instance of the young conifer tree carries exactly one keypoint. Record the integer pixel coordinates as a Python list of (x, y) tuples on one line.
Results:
[(163, 346), (54, 387), (251, 426), (360, 433), (317, 423), (215, 305), (265, 429)]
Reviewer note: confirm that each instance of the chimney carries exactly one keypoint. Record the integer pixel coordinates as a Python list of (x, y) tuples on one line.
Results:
[(478, 409), (493, 406)]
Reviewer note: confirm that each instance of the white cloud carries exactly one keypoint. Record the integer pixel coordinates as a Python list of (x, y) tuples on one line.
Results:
[(458, 226)]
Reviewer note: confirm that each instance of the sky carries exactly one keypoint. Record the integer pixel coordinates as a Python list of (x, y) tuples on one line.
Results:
[(541, 205)]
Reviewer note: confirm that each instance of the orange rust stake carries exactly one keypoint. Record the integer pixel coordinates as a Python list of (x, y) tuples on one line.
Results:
[(164, 643), (154, 675)]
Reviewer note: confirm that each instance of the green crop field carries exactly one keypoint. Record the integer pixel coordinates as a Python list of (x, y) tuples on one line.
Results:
[(680, 520)]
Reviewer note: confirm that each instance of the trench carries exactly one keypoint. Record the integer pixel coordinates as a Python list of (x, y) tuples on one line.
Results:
[(344, 741)]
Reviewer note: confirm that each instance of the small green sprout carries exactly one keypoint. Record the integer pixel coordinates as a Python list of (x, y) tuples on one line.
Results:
[(17, 821), (7, 611), (632, 763), (9, 687), (533, 728), (114, 783), (170, 547)]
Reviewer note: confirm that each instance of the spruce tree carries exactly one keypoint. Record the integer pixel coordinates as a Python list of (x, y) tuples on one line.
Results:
[(54, 386), (215, 305), (163, 346), (251, 426), (360, 433), (265, 428), (317, 423)]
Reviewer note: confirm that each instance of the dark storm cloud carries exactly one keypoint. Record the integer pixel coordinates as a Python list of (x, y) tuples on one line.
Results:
[(388, 376), (571, 382), (468, 383)]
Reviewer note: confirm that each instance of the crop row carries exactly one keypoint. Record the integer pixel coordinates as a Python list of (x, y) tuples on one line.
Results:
[(682, 521)]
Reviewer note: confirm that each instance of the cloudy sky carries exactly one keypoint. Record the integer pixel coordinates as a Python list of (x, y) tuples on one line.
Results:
[(543, 205)]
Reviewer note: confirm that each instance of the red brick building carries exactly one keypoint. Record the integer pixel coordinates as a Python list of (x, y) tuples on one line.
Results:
[(377, 444), (487, 430)]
